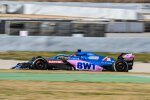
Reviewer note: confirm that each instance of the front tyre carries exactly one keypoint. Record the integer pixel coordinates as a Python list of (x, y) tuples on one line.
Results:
[(120, 66), (39, 64)]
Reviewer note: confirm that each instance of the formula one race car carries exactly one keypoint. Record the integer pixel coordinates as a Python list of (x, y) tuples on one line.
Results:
[(80, 61)]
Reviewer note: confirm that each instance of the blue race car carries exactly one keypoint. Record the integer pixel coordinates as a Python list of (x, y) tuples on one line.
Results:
[(80, 61)]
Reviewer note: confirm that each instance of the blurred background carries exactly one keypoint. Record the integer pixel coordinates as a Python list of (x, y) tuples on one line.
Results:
[(115, 24)]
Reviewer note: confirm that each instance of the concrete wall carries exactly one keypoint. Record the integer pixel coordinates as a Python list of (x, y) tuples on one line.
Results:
[(125, 27), (88, 12), (37, 43)]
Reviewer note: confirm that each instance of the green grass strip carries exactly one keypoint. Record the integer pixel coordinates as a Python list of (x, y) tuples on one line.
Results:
[(73, 77)]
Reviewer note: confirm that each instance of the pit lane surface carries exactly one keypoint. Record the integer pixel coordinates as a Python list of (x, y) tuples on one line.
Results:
[(138, 66)]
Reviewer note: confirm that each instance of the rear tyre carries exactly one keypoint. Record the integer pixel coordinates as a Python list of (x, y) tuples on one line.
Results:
[(120, 66), (39, 64)]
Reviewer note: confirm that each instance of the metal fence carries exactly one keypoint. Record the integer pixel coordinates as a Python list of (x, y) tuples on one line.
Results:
[(53, 28)]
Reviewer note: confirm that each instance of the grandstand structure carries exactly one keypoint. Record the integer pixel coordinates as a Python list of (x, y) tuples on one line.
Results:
[(68, 18)]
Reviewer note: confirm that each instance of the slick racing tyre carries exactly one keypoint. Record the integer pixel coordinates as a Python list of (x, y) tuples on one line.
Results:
[(39, 64), (120, 66)]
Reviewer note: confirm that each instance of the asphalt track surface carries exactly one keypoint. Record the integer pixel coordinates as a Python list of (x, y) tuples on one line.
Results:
[(139, 74)]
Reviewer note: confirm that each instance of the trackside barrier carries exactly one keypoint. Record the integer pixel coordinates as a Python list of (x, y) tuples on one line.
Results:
[(100, 44)]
